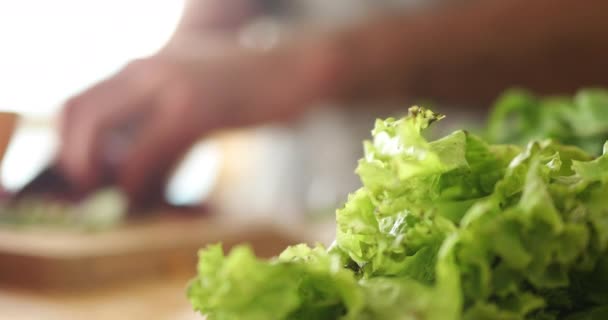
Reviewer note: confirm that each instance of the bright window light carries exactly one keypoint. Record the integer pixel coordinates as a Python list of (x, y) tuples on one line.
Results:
[(50, 50)]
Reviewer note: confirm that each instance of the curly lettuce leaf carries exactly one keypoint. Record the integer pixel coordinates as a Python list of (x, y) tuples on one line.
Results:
[(303, 283), (441, 230)]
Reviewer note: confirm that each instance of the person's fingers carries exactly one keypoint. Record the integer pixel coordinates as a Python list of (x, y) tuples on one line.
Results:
[(168, 134), (88, 116), (83, 123)]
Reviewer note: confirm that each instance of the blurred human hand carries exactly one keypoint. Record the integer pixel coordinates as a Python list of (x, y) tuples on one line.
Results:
[(176, 96)]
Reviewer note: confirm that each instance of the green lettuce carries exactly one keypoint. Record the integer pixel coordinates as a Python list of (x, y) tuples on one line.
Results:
[(440, 230), (519, 117)]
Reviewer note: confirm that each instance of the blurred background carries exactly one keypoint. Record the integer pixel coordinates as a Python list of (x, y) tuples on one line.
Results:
[(289, 179), (302, 169)]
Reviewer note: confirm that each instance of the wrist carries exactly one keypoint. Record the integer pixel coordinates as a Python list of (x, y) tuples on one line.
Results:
[(379, 61), (353, 66), (327, 67)]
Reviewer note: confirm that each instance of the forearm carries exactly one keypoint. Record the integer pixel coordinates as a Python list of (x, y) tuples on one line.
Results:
[(468, 54)]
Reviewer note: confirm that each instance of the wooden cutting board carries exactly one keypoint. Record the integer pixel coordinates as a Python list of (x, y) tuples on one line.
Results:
[(164, 246)]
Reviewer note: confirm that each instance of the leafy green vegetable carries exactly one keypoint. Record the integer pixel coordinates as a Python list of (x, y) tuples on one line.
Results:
[(519, 117), (444, 230), (101, 210)]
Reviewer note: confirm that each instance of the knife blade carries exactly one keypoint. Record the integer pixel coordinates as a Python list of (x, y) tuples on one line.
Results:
[(49, 182)]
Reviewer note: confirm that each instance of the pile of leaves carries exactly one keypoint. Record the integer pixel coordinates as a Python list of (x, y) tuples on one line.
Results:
[(450, 229)]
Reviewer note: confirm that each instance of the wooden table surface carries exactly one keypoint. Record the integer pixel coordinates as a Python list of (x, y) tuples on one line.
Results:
[(162, 296), (158, 299)]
